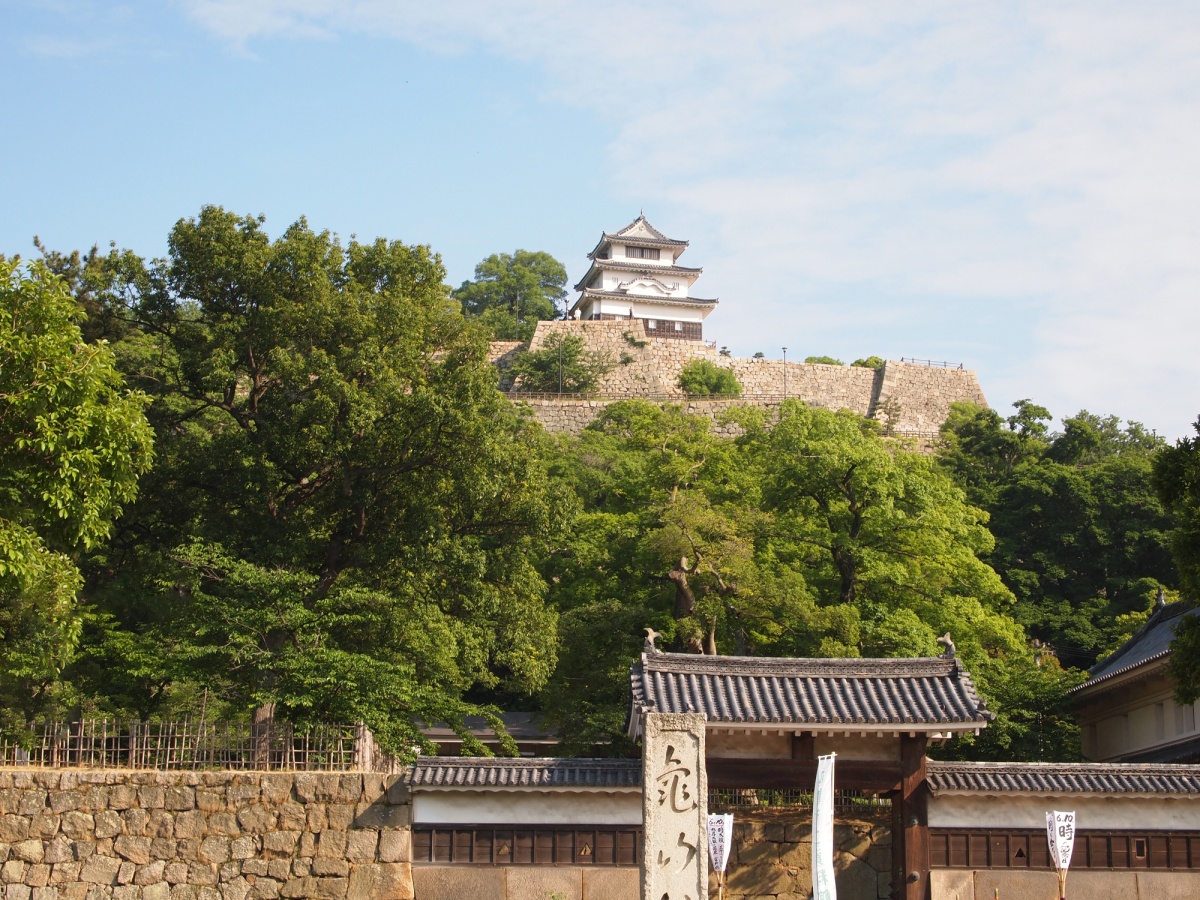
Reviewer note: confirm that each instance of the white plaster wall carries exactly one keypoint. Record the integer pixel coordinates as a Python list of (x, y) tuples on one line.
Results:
[(1138, 725), (647, 309), (525, 807), (1092, 812)]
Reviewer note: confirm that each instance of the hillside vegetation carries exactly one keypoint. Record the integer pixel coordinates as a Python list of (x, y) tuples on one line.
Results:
[(346, 519)]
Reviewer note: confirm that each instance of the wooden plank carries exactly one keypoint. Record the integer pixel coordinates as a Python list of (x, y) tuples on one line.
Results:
[(856, 775), (914, 795), (804, 746)]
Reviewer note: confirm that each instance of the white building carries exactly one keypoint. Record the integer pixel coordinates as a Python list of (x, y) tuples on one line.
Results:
[(1127, 708), (635, 275)]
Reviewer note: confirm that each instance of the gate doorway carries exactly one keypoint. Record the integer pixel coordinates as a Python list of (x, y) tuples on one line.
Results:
[(766, 721), (772, 849)]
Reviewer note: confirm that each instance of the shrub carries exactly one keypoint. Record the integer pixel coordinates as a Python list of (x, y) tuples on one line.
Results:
[(824, 360), (561, 361), (871, 362), (702, 378)]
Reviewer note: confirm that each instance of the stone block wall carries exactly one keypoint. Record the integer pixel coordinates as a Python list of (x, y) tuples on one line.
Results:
[(121, 835), (909, 398), (771, 858), (527, 883), (1092, 884)]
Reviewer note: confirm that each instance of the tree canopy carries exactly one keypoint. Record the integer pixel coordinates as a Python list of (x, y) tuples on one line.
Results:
[(1177, 480), (346, 520), (73, 441), (812, 538), (1081, 538), (562, 364), (704, 378), (513, 291), (344, 509)]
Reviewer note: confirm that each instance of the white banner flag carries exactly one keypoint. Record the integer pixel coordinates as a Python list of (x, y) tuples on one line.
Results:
[(1060, 835), (824, 887), (720, 839)]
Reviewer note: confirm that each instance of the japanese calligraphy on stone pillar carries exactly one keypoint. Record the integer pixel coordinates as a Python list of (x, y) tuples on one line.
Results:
[(674, 808)]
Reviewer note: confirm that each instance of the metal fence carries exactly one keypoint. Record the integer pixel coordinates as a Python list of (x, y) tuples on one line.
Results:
[(745, 799), (112, 744), (659, 396), (934, 363)]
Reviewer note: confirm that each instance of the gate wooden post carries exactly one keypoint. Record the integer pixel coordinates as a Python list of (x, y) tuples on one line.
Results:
[(910, 841)]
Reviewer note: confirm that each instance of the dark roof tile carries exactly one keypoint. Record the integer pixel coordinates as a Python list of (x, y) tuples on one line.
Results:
[(924, 694), (1062, 778), (543, 773)]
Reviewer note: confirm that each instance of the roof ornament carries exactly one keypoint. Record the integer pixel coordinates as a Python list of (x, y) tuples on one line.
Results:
[(651, 637), (1160, 600), (948, 653)]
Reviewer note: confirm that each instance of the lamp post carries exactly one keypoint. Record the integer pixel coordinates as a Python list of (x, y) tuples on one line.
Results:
[(785, 373)]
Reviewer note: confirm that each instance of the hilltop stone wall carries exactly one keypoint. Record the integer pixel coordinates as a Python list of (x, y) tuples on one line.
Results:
[(121, 835), (908, 398)]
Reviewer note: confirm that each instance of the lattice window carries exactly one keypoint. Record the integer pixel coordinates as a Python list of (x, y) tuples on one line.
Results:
[(983, 849), (516, 845)]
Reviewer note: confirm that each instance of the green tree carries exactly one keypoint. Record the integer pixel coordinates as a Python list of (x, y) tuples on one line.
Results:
[(73, 442), (345, 510), (562, 364), (1177, 481), (870, 362), (704, 378), (823, 360), (1080, 535), (811, 538), (513, 291)]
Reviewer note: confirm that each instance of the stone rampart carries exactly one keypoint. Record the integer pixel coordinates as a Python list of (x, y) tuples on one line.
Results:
[(121, 835), (909, 398)]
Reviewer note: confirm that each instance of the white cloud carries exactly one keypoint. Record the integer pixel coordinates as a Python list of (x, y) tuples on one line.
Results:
[(939, 159)]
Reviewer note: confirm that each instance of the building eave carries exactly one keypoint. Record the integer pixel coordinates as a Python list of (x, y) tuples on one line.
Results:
[(1120, 677), (608, 265)]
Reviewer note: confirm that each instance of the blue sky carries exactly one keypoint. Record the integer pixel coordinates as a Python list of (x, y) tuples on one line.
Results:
[(1011, 185)]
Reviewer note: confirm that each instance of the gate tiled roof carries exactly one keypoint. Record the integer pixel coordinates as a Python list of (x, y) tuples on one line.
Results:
[(487, 772), (930, 695), (1062, 778)]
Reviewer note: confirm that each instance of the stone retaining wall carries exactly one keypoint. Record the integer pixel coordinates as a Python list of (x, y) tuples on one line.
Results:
[(96, 835), (908, 397), (771, 858)]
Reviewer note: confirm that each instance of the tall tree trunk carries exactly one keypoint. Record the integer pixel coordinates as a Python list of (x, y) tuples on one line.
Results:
[(685, 605)]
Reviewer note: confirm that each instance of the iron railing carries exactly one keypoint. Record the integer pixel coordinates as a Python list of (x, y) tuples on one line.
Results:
[(934, 363)]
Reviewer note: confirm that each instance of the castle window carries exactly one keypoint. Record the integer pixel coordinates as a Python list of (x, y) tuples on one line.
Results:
[(679, 326), (641, 252), (651, 323)]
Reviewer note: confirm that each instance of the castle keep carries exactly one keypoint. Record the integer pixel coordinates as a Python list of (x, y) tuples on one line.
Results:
[(635, 310)]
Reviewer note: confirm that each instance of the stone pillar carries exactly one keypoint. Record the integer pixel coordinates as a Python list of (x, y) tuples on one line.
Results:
[(674, 807)]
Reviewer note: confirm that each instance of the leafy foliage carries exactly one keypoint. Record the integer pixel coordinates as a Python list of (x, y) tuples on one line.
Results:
[(1177, 481), (561, 364), (870, 362), (823, 360), (513, 291), (344, 509), (812, 538), (73, 442), (704, 378), (1080, 536)]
